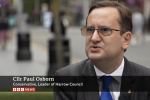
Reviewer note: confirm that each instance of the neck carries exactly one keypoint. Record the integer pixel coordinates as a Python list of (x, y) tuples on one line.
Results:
[(108, 65)]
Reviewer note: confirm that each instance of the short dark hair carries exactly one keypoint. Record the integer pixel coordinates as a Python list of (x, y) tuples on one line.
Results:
[(125, 20)]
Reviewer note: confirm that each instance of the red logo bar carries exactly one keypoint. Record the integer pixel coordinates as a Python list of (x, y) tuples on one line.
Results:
[(23, 89)]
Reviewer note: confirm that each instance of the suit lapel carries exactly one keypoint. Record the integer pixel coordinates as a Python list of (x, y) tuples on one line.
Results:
[(90, 82), (128, 83), (91, 91)]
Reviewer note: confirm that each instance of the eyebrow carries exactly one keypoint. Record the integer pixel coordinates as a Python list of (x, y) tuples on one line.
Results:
[(104, 27), (98, 27), (89, 26)]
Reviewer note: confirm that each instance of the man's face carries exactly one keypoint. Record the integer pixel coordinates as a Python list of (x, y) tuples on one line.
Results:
[(99, 47)]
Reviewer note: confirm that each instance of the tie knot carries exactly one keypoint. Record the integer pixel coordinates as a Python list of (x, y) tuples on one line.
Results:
[(106, 82)]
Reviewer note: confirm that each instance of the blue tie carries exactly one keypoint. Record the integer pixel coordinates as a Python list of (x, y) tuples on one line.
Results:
[(105, 95)]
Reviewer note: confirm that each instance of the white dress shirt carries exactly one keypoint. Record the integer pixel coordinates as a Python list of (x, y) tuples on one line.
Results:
[(117, 72)]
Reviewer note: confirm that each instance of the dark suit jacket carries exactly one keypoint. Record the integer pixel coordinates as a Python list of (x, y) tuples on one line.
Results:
[(85, 69)]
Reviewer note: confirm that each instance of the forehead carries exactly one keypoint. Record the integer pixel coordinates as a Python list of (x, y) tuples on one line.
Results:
[(104, 15)]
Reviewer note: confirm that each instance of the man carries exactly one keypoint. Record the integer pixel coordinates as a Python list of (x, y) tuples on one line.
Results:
[(108, 35), (63, 22)]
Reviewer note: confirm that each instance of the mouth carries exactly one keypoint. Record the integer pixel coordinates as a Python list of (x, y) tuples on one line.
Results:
[(95, 48)]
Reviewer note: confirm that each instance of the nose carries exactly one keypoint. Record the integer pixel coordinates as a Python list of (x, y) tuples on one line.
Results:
[(95, 37)]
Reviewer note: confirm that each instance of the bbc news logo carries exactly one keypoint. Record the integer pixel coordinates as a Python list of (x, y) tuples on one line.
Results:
[(23, 89)]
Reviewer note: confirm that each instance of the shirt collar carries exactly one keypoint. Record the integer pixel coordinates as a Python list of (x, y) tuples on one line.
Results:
[(116, 74)]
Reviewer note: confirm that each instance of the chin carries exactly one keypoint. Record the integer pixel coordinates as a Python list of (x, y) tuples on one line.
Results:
[(94, 57)]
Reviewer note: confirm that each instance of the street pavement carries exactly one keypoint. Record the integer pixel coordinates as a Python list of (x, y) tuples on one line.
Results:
[(38, 66)]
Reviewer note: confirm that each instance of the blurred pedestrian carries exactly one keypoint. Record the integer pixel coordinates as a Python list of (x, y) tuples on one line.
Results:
[(29, 21), (3, 32), (51, 17), (11, 23), (79, 15), (64, 23), (149, 24), (138, 26)]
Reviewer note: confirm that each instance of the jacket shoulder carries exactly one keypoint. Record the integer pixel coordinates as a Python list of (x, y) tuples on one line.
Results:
[(140, 70), (72, 70)]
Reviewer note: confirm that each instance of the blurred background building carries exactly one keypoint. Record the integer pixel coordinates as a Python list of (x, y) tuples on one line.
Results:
[(76, 10)]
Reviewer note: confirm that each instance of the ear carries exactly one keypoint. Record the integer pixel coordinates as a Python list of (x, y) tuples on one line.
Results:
[(126, 39)]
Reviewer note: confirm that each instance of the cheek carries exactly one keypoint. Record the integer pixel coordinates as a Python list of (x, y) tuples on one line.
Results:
[(87, 42), (116, 45), (86, 46), (113, 45)]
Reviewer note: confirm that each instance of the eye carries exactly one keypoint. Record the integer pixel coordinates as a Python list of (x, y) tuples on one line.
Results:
[(90, 29), (104, 29)]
